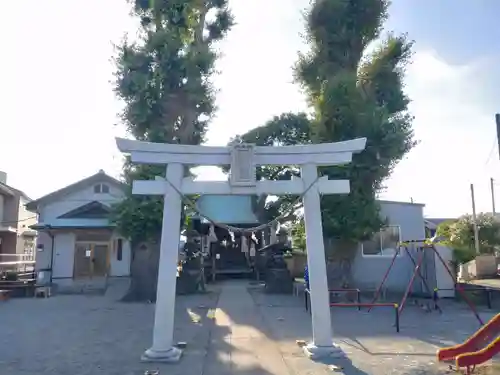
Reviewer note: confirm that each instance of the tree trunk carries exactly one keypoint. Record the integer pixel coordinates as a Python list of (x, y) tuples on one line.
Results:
[(340, 255), (143, 272)]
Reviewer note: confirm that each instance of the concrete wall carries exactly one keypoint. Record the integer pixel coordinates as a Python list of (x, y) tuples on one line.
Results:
[(2, 199), (8, 204), (8, 245), (483, 267), (368, 271), (13, 214), (11, 210), (44, 247)]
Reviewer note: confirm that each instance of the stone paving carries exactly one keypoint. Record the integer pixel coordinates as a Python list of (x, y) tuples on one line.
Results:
[(369, 339), (252, 334)]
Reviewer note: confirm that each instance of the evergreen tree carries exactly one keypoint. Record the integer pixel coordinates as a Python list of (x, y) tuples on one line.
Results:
[(164, 79), (353, 81), (356, 93)]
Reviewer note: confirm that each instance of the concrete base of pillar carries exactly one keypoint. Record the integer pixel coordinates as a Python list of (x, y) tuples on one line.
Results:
[(171, 355), (318, 352)]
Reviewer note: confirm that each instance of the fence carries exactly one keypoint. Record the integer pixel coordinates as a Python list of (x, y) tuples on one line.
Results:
[(17, 262)]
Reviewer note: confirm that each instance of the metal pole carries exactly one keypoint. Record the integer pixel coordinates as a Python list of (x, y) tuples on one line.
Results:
[(379, 289), (396, 312), (474, 218), (458, 287), (492, 187), (497, 121), (410, 284)]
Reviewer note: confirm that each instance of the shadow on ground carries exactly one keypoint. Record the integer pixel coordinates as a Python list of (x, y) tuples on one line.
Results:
[(370, 339), (93, 335), (84, 335), (343, 365), (288, 351)]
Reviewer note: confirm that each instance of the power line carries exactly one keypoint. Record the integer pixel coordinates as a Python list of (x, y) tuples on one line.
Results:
[(496, 140), (18, 221), (491, 152)]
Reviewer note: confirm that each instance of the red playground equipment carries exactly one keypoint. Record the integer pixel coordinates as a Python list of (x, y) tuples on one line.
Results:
[(421, 247), (477, 349)]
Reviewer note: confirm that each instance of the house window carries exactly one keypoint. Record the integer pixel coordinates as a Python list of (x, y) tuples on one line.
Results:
[(119, 249), (384, 243), (29, 249), (101, 189)]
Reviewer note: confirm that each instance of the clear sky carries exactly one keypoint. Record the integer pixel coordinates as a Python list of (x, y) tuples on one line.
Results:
[(58, 114)]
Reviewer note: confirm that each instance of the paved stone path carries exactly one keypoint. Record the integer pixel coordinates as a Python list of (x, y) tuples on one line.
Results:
[(256, 333), (252, 334), (239, 344)]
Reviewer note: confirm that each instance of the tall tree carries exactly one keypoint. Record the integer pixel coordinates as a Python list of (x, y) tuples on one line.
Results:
[(353, 91), (164, 78), (356, 93), (459, 235)]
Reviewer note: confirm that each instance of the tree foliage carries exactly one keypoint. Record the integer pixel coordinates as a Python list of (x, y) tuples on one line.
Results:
[(459, 235), (285, 130), (356, 93), (353, 91), (164, 79), (299, 235)]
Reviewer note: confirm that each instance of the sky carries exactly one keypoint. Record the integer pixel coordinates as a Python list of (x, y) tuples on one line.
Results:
[(58, 113)]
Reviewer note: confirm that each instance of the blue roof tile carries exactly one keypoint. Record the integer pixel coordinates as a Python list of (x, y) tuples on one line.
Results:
[(75, 223)]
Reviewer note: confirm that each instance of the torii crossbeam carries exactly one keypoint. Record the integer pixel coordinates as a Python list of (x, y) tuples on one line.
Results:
[(243, 159)]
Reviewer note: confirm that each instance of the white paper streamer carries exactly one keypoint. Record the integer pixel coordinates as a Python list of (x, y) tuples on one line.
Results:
[(273, 236), (244, 244), (212, 237), (252, 249)]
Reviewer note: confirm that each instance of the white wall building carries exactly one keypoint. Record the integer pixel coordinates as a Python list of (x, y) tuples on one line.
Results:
[(76, 241)]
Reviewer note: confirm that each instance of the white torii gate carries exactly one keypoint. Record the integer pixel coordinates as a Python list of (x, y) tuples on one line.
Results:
[(243, 158)]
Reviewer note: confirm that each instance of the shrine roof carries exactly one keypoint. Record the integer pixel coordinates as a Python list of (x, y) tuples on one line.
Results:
[(227, 209), (73, 224)]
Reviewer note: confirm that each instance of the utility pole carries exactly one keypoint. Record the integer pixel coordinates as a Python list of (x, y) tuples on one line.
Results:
[(474, 218), (492, 187), (497, 120)]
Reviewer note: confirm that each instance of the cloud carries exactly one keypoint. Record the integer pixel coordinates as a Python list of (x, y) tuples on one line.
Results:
[(455, 125), (454, 122), (58, 113)]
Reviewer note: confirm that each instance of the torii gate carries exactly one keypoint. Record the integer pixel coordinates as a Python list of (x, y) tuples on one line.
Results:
[(243, 158)]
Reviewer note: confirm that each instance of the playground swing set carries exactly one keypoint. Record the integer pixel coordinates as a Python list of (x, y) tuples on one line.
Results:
[(477, 349), (422, 246)]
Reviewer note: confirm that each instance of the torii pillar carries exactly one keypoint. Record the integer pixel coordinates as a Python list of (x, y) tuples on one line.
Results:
[(243, 158)]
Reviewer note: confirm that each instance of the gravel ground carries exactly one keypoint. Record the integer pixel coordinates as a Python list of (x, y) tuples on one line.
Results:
[(82, 335), (369, 339)]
